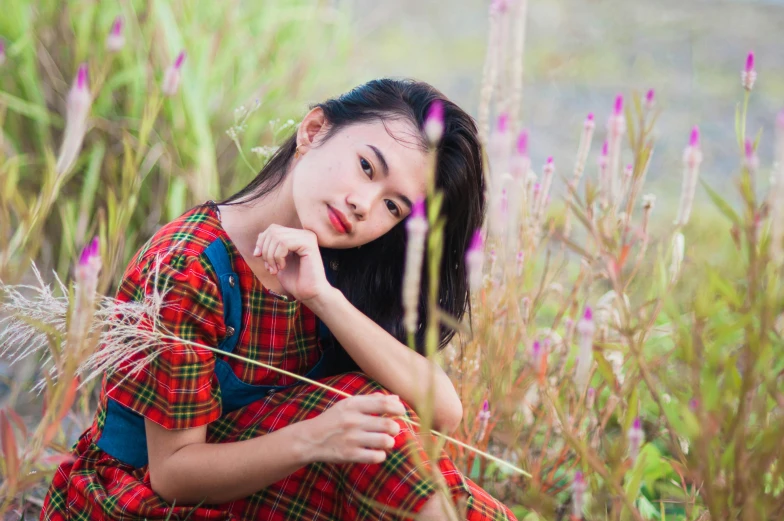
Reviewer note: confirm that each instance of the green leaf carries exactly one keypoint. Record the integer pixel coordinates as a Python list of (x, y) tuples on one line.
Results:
[(723, 205), (604, 368)]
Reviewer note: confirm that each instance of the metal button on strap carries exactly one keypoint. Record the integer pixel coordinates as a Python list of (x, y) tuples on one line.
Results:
[(231, 281), (229, 331)]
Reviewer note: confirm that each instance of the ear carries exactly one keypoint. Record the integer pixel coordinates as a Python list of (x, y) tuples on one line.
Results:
[(313, 126)]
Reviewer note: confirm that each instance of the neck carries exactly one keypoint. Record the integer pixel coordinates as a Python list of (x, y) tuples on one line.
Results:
[(244, 222)]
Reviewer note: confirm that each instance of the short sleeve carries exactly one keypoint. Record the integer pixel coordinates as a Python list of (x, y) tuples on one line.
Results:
[(177, 388)]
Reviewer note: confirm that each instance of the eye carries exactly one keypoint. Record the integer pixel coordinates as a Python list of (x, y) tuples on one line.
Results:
[(366, 167), (393, 208)]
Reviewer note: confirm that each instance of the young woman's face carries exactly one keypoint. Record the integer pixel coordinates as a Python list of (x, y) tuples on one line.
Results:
[(360, 183)]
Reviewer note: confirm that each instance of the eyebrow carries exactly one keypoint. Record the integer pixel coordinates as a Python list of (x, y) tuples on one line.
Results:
[(385, 169)]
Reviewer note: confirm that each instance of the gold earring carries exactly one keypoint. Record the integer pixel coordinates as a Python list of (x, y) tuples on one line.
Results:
[(296, 154)]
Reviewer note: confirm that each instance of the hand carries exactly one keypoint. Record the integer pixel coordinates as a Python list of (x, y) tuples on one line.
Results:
[(293, 255), (348, 432)]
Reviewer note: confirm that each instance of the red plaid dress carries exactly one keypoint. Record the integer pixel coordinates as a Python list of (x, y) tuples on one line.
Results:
[(178, 390)]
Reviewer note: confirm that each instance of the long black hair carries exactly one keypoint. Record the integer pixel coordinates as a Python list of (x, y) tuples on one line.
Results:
[(371, 276)]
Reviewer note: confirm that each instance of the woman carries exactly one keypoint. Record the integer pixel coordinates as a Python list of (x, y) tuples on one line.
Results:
[(300, 270)]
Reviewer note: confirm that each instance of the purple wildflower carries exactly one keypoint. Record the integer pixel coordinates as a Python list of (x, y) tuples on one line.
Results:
[(416, 226), (636, 438), (474, 261), (749, 75), (434, 122), (115, 40), (171, 79), (578, 493), (77, 109)]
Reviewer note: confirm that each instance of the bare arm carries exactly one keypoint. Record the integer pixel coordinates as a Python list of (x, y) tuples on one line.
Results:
[(391, 363), (185, 468)]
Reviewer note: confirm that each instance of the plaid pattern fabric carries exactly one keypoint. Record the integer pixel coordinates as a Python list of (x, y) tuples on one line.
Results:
[(178, 390)]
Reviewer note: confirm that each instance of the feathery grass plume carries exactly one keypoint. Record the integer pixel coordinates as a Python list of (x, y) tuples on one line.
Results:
[(626, 182), (520, 165), (578, 493), (115, 40), (650, 101), (748, 76), (586, 136), (677, 257), (548, 171), (692, 157), (776, 196), (2, 51), (416, 226), (585, 332), (77, 109), (434, 122), (474, 260), (604, 174), (616, 126), (499, 155), (635, 437), (171, 78)]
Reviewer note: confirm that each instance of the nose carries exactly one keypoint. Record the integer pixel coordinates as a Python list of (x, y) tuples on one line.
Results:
[(360, 201)]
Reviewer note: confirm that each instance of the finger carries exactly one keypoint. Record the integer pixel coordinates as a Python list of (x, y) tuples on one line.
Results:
[(280, 255), (260, 243), (369, 456), (269, 251), (375, 440), (377, 424), (379, 403)]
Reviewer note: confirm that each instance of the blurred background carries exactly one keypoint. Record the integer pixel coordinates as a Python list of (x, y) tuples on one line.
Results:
[(581, 53)]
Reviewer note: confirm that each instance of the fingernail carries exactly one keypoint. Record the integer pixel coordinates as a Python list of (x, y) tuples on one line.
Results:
[(256, 251)]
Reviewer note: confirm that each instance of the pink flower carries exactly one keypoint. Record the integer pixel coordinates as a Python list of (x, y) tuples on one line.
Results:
[(617, 123), (585, 332), (77, 109), (520, 262), (752, 162), (649, 100), (578, 493), (484, 418), (416, 226), (474, 261), (590, 398), (86, 279), (116, 40), (171, 79), (692, 157), (521, 162), (589, 122), (522, 143), (2, 51), (635, 437), (749, 75), (536, 353), (499, 6), (434, 122)]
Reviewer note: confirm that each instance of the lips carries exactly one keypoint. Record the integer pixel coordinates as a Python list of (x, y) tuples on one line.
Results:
[(338, 220)]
